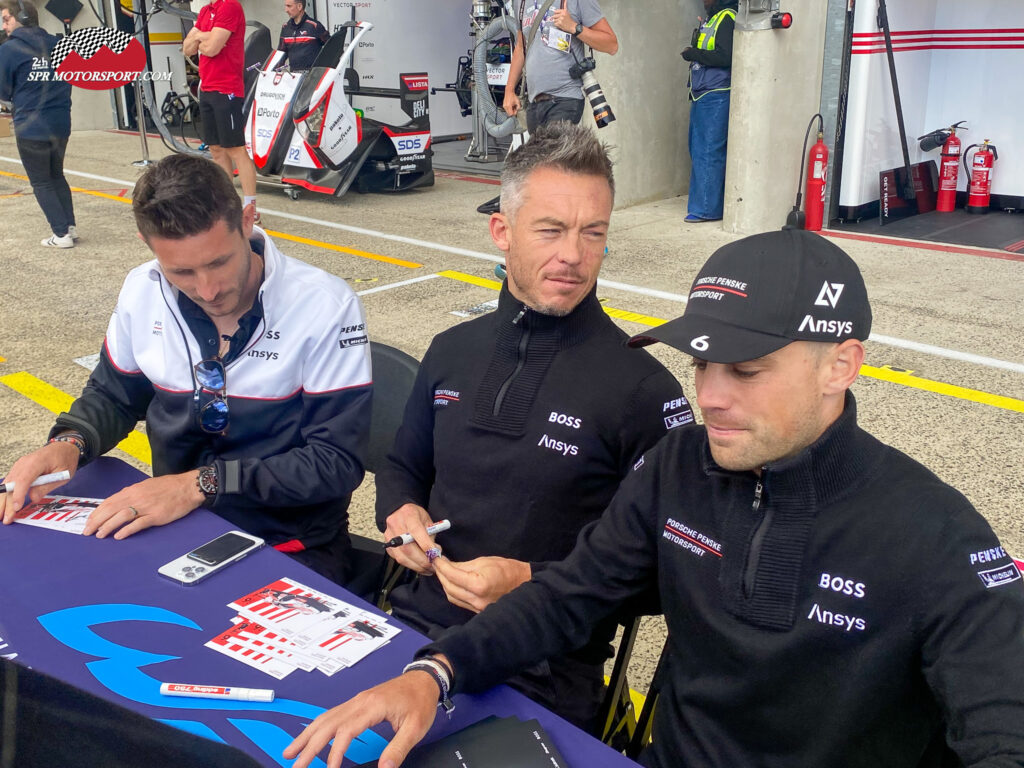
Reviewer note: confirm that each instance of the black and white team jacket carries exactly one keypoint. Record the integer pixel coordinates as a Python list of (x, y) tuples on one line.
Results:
[(519, 429), (302, 41), (846, 609), (298, 387)]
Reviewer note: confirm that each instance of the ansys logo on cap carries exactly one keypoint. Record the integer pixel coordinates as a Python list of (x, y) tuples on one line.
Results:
[(829, 295), (98, 58)]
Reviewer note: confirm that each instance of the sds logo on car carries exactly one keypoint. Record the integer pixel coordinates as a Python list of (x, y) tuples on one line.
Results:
[(411, 143)]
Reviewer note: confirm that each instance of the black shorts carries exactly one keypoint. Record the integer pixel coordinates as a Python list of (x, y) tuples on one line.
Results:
[(222, 121)]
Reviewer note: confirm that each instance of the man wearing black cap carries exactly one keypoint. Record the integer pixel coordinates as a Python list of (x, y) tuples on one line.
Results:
[(830, 602)]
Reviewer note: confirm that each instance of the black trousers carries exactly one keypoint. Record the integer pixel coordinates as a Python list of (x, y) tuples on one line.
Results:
[(551, 109), (44, 164)]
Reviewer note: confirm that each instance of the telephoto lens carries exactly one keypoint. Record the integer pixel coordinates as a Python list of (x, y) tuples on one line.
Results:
[(603, 114)]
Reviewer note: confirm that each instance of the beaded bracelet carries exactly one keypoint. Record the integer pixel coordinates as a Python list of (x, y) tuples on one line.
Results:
[(75, 438)]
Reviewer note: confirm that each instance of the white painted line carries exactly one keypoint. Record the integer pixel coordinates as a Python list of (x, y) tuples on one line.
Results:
[(389, 286), (951, 354), (645, 291), (119, 182), (653, 292)]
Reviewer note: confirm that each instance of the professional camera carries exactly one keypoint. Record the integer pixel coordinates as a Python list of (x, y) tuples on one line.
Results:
[(599, 105)]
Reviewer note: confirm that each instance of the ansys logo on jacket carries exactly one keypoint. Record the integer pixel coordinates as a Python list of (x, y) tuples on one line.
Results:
[(98, 58)]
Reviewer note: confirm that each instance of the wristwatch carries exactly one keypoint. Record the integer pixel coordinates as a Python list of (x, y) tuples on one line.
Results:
[(579, 28), (207, 482)]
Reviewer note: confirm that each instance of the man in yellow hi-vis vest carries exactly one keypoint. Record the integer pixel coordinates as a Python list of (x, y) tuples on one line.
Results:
[(710, 57)]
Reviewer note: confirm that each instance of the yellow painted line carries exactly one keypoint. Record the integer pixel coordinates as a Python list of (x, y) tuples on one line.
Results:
[(884, 374), (907, 379), (636, 697), (633, 317), (165, 37), (272, 233), (483, 282), (903, 378), (343, 249), (3, 359), (105, 195), (52, 399), (92, 192)]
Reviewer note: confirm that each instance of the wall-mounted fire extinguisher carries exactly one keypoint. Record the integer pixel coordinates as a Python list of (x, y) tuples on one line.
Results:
[(817, 173), (980, 176)]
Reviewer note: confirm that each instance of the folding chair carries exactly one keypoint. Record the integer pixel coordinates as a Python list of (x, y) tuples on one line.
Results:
[(393, 375)]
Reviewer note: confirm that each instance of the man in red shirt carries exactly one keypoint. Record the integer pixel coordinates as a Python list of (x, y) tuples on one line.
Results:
[(219, 38)]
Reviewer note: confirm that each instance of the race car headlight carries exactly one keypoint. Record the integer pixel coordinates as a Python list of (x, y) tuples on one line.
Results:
[(311, 124)]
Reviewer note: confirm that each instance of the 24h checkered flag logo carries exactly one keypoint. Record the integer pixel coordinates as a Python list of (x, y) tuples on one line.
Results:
[(98, 58)]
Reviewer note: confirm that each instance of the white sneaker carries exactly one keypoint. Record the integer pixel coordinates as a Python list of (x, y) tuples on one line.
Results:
[(73, 232), (59, 242)]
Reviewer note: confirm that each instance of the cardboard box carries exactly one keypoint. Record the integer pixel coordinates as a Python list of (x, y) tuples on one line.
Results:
[(5, 126)]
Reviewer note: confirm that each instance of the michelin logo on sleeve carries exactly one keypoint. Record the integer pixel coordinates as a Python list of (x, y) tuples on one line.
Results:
[(347, 340), (996, 577), (683, 413)]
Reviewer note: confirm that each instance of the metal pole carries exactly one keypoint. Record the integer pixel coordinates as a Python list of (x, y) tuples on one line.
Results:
[(883, 22), (140, 118)]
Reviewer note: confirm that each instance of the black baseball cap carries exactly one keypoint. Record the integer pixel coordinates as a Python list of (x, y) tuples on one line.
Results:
[(758, 294)]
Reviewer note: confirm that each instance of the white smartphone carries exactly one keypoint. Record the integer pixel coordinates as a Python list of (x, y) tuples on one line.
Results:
[(204, 561)]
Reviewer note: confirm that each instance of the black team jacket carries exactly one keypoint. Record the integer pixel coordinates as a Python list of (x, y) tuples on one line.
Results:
[(519, 429), (851, 609)]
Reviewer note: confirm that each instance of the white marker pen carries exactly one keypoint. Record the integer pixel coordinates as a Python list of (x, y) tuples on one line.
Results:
[(406, 538), (216, 692), (53, 477)]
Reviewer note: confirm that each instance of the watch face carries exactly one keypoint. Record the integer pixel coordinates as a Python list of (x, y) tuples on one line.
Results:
[(208, 481)]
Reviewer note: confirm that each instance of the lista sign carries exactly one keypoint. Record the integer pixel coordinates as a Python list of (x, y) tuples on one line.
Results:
[(415, 82)]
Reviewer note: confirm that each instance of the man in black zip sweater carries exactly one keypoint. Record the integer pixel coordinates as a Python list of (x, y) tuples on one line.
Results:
[(522, 423), (830, 602)]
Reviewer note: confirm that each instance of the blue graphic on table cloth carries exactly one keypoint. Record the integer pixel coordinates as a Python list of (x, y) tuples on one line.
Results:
[(118, 669)]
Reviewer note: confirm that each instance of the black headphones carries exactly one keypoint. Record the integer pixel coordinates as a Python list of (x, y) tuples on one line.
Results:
[(23, 17)]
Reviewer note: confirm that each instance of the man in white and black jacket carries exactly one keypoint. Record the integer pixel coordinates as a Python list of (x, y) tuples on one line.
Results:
[(251, 370), (523, 422), (830, 602)]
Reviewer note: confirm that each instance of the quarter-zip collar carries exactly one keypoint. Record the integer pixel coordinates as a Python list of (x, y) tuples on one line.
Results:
[(828, 468), (765, 542), (564, 330), (525, 344)]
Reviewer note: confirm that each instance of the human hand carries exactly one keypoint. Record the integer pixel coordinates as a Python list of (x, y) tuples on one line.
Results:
[(687, 54), (407, 702), (511, 103), (411, 518), (561, 19), (52, 457), (477, 583), (154, 501)]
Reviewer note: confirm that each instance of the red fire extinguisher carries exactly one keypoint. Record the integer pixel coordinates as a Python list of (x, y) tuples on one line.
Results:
[(980, 178), (817, 173), (950, 170)]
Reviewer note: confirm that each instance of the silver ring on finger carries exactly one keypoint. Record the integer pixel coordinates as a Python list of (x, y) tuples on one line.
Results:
[(134, 511)]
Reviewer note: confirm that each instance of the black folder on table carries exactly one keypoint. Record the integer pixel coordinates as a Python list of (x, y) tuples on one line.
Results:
[(492, 743)]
